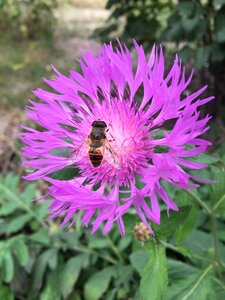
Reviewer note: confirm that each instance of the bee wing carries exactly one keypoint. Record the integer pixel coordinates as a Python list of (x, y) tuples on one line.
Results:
[(79, 152), (110, 155)]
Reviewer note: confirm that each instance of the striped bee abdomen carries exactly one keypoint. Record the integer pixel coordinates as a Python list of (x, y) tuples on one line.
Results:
[(95, 156)]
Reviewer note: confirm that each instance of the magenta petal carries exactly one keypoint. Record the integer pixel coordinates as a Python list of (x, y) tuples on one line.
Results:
[(136, 155)]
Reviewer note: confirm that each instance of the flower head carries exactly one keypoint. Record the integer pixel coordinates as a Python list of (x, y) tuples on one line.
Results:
[(110, 123)]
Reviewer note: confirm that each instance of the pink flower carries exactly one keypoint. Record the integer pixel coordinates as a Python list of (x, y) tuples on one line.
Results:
[(134, 106)]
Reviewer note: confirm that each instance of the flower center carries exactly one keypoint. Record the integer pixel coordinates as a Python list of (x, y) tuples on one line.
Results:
[(127, 144)]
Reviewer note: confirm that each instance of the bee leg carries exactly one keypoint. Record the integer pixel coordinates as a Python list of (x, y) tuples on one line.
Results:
[(109, 125)]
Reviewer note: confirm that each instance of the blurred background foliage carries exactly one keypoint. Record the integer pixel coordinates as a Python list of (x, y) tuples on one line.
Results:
[(27, 19), (195, 28), (38, 259)]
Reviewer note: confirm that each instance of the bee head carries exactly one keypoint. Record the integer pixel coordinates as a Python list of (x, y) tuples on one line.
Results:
[(99, 124)]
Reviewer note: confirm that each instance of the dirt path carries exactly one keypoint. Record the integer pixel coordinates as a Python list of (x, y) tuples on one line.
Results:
[(75, 33), (25, 63)]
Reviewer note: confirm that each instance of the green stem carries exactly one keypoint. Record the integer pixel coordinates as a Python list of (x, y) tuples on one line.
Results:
[(21, 204), (211, 213), (216, 245), (89, 251), (199, 201), (169, 246), (176, 249), (218, 203), (219, 283), (198, 282), (114, 249)]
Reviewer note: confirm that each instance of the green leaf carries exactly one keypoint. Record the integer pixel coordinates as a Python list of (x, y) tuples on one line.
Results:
[(184, 228), (7, 208), (8, 267), (138, 260), (124, 243), (218, 55), (53, 260), (209, 160), (40, 267), (72, 267), (10, 193), (130, 221), (51, 289), (221, 35), (202, 56), (186, 53), (138, 183), (29, 193), (219, 288), (21, 252), (74, 296), (96, 286), (198, 285), (6, 293), (65, 174), (184, 251), (111, 294), (11, 180), (123, 275), (217, 195), (219, 2), (201, 244), (2, 2), (198, 242), (41, 236), (8, 183), (157, 135), (97, 242), (186, 7), (170, 224), (178, 270), (190, 24), (18, 223), (161, 149), (154, 275), (219, 19), (41, 209)]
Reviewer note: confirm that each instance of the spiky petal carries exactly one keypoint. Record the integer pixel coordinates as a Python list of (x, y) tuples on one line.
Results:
[(136, 105)]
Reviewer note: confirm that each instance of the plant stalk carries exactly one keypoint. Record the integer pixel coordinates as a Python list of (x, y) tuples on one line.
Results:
[(216, 246), (199, 201), (211, 213)]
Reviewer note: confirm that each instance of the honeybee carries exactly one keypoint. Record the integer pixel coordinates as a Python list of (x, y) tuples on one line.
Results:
[(97, 146)]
